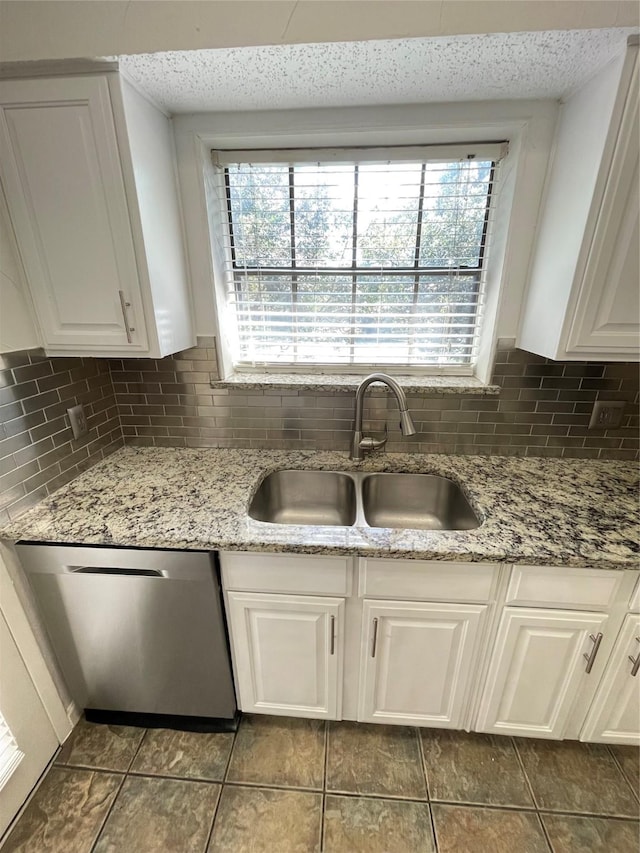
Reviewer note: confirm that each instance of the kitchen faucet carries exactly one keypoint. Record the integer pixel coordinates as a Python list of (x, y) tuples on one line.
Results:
[(361, 444)]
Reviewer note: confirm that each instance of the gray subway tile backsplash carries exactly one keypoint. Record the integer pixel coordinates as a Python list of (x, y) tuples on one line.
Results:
[(36, 444), (541, 402), (543, 410)]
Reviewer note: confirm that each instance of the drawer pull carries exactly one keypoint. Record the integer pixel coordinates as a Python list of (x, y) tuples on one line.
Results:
[(591, 658), (375, 637), (333, 635), (635, 661)]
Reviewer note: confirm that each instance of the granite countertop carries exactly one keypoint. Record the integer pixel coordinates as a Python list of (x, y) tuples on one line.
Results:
[(539, 511)]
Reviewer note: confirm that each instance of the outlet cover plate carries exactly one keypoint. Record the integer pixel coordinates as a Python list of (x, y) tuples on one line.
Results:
[(78, 421), (606, 415)]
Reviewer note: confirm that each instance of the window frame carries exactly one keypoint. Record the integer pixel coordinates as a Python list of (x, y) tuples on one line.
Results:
[(493, 151), (528, 125)]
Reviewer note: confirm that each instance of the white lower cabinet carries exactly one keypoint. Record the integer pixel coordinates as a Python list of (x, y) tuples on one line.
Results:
[(417, 661), (614, 716), (288, 652), (428, 643), (537, 669)]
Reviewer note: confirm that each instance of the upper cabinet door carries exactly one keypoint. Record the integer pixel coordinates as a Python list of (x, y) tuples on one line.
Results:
[(608, 305), (418, 662), (64, 185), (583, 302)]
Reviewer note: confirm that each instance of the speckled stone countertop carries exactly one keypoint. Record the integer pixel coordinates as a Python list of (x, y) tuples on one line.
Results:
[(540, 511)]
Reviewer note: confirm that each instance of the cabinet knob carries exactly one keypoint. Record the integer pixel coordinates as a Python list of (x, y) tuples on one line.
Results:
[(333, 636)]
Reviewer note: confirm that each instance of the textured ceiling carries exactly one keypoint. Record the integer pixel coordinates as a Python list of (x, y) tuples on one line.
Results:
[(404, 71)]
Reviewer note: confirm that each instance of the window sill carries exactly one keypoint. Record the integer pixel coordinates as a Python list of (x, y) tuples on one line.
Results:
[(337, 382)]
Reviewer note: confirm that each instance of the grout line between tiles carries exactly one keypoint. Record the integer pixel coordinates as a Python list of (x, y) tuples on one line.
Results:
[(270, 785), (590, 815), (393, 797), (108, 814), (324, 782), (225, 775), (426, 782), (635, 793), (322, 808), (470, 805), (233, 746), (424, 764), (524, 771), (544, 831), (139, 747), (198, 779), (213, 819)]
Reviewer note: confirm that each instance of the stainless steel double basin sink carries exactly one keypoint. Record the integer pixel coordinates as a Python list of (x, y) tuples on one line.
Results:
[(336, 498)]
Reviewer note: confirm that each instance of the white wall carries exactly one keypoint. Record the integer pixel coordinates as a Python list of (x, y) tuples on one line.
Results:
[(57, 29), (17, 329)]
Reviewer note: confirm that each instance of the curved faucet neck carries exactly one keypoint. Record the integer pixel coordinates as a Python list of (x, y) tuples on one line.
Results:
[(362, 387), (357, 448)]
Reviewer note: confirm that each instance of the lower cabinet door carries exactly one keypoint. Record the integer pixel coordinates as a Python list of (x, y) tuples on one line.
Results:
[(418, 662), (536, 670), (614, 716), (287, 653)]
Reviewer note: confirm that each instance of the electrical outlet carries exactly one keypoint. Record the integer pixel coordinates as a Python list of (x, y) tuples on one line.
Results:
[(606, 415), (78, 421)]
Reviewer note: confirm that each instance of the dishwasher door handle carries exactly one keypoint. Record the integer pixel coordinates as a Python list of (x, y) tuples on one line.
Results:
[(115, 570)]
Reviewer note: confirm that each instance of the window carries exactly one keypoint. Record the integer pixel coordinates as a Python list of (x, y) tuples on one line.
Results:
[(357, 258), (10, 755)]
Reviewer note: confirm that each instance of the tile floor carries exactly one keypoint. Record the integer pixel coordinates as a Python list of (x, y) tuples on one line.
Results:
[(282, 785)]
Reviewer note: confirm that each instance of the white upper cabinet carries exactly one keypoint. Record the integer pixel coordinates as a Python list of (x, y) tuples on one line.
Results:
[(87, 167), (583, 301)]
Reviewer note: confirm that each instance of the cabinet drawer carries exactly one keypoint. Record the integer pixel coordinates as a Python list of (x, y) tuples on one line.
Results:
[(301, 574), (557, 586), (430, 581), (634, 604)]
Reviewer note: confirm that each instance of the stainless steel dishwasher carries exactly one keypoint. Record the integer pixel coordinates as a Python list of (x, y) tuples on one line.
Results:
[(137, 632)]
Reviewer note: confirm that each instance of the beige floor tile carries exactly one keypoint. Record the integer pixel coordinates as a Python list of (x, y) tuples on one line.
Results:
[(576, 777), (152, 815), (279, 751), (473, 768), (66, 812), (261, 820), (572, 834), (628, 757), (366, 825), (467, 829), (101, 746), (368, 758), (192, 755)]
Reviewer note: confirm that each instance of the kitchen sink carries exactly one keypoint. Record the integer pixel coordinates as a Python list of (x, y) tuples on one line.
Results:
[(306, 497), (420, 501), (335, 498)]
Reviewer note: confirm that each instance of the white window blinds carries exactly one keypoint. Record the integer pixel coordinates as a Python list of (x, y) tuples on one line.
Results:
[(10, 755), (369, 257)]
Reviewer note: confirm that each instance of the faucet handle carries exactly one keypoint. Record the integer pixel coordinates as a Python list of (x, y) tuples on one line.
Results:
[(369, 443)]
